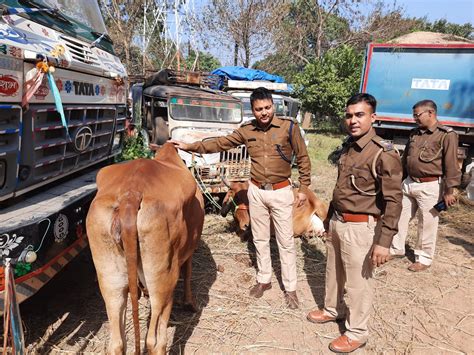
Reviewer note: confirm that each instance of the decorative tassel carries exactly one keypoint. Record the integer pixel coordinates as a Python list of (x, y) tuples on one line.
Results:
[(57, 100)]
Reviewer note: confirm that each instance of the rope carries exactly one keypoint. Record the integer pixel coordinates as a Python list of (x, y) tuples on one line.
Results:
[(202, 186), (374, 174), (233, 202), (13, 331)]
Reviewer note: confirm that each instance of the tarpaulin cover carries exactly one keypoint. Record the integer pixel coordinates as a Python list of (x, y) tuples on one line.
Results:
[(241, 73)]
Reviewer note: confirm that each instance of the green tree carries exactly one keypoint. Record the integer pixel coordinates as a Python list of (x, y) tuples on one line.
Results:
[(443, 26), (307, 30), (326, 83), (203, 62), (279, 64)]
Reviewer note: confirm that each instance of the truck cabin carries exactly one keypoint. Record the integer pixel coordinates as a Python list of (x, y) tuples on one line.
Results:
[(285, 106), (168, 107), (179, 105)]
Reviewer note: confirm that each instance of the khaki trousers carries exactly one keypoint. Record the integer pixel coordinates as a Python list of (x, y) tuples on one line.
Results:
[(278, 205), (419, 197), (349, 268)]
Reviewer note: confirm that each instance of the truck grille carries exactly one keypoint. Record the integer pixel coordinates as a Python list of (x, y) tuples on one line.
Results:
[(47, 153), (80, 51), (10, 140), (234, 165)]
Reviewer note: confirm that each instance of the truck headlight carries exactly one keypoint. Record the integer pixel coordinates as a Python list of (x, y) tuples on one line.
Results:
[(117, 143)]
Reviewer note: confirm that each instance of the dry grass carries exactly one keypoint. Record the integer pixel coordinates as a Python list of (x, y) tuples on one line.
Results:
[(414, 313)]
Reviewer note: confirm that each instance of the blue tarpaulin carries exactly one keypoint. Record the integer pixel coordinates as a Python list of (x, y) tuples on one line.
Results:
[(241, 73)]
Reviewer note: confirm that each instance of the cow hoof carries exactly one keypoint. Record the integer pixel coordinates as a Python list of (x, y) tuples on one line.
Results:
[(190, 307)]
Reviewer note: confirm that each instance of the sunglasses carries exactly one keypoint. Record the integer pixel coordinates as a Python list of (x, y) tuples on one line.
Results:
[(418, 115)]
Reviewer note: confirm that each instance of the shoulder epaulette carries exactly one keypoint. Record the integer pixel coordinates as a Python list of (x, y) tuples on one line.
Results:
[(386, 145), (446, 128), (288, 118), (246, 123)]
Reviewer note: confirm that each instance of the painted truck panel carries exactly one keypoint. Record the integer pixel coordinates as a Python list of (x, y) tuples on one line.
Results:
[(401, 75)]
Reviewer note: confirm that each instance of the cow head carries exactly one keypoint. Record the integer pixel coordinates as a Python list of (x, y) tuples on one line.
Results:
[(236, 198)]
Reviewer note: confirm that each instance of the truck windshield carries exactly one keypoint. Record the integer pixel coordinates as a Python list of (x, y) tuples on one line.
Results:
[(78, 18), (195, 109)]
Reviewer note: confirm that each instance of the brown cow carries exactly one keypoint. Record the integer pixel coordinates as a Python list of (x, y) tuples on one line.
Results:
[(144, 223), (307, 219)]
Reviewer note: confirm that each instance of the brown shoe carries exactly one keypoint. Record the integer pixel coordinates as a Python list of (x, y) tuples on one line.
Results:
[(258, 289), (415, 267), (292, 300), (344, 345), (318, 316)]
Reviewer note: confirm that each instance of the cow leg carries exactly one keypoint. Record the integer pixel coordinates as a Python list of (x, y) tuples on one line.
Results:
[(113, 282), (189, 303), (116, 301), (161, 301), (157, 337)]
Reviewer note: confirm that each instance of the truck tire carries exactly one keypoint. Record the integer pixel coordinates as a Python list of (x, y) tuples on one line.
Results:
[(160, 133), (145, 137)]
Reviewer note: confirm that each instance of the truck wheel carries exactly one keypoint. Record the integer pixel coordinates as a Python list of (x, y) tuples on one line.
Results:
[(145, 137), (160, 132)]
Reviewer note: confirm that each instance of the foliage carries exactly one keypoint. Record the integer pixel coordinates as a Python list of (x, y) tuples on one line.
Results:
[(205, 61), (279, 64), (134, 148), (138, 31), (326, 83), (443, 26), (239, 26), (309, 28)]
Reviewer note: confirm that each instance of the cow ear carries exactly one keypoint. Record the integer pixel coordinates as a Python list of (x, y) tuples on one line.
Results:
[(154, 147)]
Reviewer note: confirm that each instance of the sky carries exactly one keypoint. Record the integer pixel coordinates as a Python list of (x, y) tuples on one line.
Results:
[(456, 11)]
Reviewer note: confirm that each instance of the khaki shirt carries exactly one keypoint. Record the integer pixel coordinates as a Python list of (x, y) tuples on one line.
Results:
[(267, 164), (424, 156), (356, 159)]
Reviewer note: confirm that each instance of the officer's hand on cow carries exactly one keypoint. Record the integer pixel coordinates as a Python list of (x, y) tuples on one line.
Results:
[(380, 255), (178, 144), (300, 199), (449, 199)]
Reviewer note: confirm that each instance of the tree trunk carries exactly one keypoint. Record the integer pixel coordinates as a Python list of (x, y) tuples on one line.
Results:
[(236, 53)]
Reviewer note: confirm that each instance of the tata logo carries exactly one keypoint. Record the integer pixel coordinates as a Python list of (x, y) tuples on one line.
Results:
[(85, 89), (430, 84), (82, 139)]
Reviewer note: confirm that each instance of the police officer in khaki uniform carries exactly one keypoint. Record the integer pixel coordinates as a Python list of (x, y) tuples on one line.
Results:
[(431, 171), (367, 195), (270, 141)]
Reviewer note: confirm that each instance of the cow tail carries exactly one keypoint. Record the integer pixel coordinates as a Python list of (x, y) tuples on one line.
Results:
[(129, 204)]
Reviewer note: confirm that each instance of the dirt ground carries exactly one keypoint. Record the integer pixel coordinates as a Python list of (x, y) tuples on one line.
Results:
[(414, 313)]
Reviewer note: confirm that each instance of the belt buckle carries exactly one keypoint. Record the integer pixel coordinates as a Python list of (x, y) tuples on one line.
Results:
[(267, 187)]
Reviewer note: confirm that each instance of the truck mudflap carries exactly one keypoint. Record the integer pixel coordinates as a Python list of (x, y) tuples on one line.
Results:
[(29, 284), (51, 225)]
